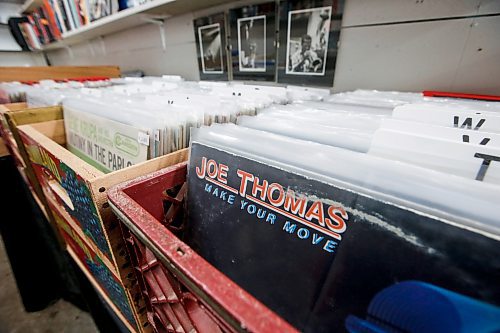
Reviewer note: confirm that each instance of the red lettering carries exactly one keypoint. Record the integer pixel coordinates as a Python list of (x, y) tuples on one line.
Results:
[(316, 211), (222, 175), (295, 205), (245, 177), (339, 226), (259, 188), (212, 173), (281, 198), (201, 172)]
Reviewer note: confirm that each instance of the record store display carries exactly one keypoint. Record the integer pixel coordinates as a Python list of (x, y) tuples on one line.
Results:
[(315, 206), (271, 166), (310, 201)]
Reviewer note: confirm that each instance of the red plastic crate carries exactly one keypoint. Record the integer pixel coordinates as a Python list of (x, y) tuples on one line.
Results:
[(184, 292)]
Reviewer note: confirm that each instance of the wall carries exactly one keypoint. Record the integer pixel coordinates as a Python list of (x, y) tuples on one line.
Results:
[(7, 42), (415, 45), (141, 48), (394, 45), (10, 54), (8, 9), (21, 59)]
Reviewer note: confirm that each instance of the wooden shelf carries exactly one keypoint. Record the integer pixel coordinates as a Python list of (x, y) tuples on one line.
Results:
[(130, 18)]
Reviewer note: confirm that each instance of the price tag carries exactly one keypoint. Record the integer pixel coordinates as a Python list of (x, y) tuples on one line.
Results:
[(143, 138)]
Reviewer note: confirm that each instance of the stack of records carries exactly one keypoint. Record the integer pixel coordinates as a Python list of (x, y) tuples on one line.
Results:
[(315, 207)]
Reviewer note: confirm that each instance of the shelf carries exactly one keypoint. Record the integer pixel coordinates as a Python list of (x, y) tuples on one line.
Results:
[(130, 18), (31, 5)]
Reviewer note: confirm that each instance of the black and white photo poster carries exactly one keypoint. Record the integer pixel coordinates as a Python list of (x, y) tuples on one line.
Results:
[(211, 48), (309, 33), (253, 42), (307, 43)]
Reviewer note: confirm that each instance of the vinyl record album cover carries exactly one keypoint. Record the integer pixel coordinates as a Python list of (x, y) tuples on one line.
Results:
[(317, 253)]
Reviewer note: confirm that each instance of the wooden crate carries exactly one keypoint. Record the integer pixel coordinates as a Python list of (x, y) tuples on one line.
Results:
[(8, 144), (96, 269), (81, 190), (11, 119), (4, 127), (42, 73)]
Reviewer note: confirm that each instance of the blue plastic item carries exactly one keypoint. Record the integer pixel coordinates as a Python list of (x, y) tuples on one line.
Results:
[(414, 306)]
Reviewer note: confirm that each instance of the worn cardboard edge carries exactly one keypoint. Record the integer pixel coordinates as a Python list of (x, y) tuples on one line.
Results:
[(99, 186), (7, 147)]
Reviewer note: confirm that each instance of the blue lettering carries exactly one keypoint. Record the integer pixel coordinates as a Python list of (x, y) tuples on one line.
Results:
[(243, 204), (317, 239), (216, 192), (223, 195), (208, 187), (261, 213), (271, 218), (330, 246), (230, 199), (303, 233), (251, 209), (290, 228)]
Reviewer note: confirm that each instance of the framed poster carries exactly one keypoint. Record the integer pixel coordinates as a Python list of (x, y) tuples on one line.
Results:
[(309, 33), (253, 42), (211, 47)]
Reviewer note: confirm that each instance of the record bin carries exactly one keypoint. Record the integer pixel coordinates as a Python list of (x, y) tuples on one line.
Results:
[(79, 190), (183, 291)]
